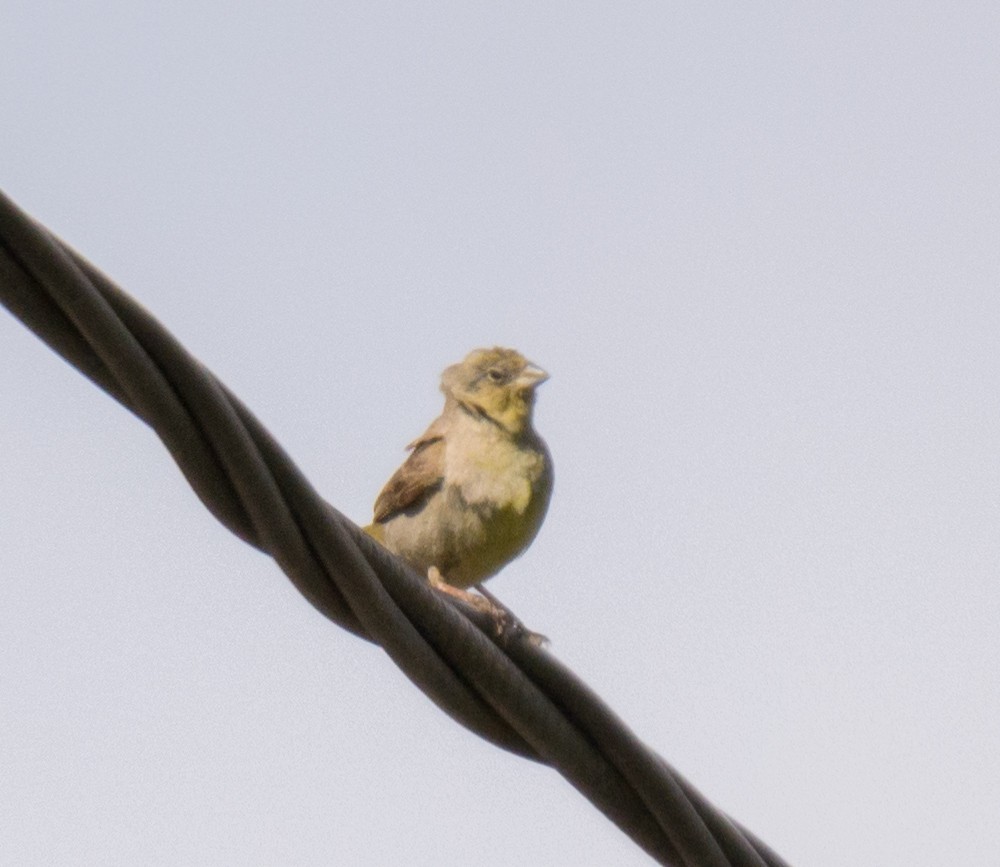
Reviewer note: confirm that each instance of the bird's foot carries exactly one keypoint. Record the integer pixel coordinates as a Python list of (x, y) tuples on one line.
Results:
[(438, 582), (509, 623), (505, 621)]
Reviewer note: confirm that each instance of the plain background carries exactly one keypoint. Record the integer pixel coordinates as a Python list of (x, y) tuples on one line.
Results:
[(756, 245)]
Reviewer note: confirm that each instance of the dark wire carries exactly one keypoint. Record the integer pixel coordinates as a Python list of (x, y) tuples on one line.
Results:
[(508, 691)]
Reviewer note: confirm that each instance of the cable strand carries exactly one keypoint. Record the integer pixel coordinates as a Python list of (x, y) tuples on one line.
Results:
[(509, 692)]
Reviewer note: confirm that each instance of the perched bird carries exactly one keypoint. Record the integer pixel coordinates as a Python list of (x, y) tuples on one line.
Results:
[(474, 490)]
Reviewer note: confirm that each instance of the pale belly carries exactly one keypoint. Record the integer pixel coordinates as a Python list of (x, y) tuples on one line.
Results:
[(468, 543), (458, 528)]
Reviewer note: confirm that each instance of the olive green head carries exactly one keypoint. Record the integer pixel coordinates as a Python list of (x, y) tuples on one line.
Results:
[(498, 384)]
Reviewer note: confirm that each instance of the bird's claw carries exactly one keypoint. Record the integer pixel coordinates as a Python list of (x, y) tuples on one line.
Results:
[(505, 623)]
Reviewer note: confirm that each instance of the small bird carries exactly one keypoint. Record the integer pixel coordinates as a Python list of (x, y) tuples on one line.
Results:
[(472, 494)]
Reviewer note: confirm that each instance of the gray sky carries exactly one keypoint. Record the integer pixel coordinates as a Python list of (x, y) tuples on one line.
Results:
[(756, 246)]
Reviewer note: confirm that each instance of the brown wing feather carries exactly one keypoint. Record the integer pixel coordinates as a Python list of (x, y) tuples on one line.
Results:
[(420, 475)]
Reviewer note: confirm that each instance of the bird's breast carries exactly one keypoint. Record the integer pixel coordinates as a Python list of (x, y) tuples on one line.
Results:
[(493, 496), (502, 476)]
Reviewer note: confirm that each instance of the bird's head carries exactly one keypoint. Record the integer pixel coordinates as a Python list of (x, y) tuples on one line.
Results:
[(498, 384)]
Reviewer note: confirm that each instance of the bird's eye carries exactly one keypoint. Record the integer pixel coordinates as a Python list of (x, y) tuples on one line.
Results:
[(495, 375)]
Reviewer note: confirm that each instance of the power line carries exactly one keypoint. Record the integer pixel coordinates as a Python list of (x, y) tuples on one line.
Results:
[(509, 691)]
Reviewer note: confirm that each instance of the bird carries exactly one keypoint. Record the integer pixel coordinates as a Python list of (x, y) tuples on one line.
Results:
[(473, 492)]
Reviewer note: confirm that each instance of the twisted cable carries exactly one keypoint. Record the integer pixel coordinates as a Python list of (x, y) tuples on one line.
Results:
[(510, 692)]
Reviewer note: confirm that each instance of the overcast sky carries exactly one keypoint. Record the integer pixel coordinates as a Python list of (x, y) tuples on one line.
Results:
[(756, 245)]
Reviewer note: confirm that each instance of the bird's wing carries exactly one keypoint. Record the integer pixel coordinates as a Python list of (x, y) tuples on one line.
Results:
[(420, 475)]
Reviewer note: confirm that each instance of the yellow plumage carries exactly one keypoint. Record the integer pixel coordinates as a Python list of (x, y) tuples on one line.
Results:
[(474, 490)]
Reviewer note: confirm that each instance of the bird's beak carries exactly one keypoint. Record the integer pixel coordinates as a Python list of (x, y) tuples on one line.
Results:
[(531, 376)]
